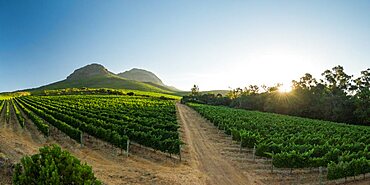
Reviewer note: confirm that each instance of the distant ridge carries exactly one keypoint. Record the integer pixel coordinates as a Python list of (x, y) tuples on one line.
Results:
[(141, 75), (97, 76)]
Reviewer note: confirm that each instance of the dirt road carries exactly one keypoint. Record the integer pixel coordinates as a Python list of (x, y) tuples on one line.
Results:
[(205, 153)]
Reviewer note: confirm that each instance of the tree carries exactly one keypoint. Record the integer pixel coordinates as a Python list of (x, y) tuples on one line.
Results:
[(362, 97), (251, 90), (337, 80), (195, 90), (305, 82), (235, 93), (274, 88)]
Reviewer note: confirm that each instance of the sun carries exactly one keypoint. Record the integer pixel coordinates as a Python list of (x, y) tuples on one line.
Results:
[(285, 88)]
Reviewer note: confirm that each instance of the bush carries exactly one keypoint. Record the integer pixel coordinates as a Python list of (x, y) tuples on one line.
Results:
[(249, 139), (346, 169), (53, 166)]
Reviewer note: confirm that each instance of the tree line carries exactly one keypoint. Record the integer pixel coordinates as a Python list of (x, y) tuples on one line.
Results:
[(336, 97)]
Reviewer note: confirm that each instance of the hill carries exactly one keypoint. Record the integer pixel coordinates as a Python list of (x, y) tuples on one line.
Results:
[(97, 76), (88, 71), (141, 75), (147, 77)]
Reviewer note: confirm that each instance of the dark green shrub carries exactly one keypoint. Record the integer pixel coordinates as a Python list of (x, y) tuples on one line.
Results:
[(53, 166)]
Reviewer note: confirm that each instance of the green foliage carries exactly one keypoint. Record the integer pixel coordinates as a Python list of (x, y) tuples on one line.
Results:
[(264, 149), (72, 132), (40, 124), (18, 114), (295, 142), (291, 159), (115, 119), (10, 95), (248, 139), (53, 166), (2, 103), (7, 111), (346, 169), (207, 98)]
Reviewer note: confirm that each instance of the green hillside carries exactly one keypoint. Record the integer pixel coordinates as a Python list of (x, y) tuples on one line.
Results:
[(165, 87), (105, 81), (97, 76), (141, 75)]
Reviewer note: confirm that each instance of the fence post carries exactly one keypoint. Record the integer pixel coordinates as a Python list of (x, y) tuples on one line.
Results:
[(272, 162), (128, 147), (254, 152), (180, 152), (81, 139), (320, 175), (241, 142)]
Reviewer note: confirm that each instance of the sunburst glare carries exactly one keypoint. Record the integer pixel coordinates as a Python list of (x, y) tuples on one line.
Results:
[(285, 88)]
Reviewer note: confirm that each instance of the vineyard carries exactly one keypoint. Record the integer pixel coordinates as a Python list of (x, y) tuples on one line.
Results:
[(294, 142), (119, 120)]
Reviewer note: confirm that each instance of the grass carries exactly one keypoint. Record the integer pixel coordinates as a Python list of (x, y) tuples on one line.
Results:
[(7, 96)]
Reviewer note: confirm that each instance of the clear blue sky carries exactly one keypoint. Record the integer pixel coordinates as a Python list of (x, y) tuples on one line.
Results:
[(215, 44)]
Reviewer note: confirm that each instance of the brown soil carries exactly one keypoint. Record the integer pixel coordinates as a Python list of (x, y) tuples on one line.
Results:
[(206, 154), (208, 157)]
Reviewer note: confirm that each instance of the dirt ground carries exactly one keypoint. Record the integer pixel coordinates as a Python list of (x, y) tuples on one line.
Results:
[(206, 154), (208, 157)]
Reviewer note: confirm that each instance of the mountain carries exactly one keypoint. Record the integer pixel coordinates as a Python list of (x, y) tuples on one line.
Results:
[(89, 71), (97, 76), (147, 77), (141, 75)]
